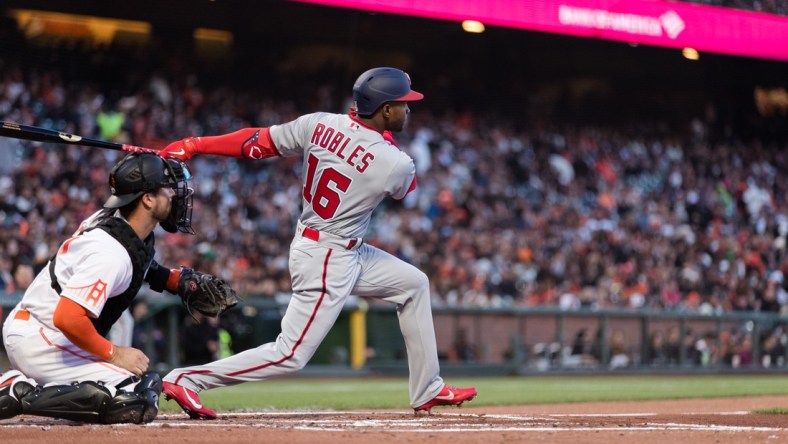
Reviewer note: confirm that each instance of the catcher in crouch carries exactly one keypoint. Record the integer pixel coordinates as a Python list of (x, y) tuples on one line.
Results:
[(62, 366)]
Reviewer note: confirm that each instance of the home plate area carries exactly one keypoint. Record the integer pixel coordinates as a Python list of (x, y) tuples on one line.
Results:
[(482, 422), (646, 422), (448, 421)]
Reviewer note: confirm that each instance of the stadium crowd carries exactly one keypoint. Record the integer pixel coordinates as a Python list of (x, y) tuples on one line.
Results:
[(571, 216)]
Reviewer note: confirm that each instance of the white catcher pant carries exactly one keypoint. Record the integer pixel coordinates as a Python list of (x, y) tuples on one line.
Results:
[(322, 279), (49, 358)]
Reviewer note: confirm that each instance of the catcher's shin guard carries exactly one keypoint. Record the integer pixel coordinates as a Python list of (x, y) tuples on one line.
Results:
[(138, 407), (127, 407), (83, 401), (13, 387)]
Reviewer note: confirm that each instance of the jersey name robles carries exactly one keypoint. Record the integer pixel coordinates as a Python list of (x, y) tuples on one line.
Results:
[(336, 142)]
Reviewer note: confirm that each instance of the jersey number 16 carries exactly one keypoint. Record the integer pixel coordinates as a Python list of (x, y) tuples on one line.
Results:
[(326, 199)]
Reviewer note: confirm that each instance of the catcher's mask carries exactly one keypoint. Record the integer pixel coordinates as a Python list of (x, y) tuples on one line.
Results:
[(140, 173)]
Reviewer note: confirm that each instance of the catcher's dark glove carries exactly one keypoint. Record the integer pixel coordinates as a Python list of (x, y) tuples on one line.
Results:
[(205, 293)]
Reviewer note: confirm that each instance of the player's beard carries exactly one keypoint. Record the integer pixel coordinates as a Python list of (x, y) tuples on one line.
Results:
[(161, 211), (399, 125)]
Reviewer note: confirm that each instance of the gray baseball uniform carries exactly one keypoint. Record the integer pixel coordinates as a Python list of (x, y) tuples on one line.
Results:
[(349, 168)]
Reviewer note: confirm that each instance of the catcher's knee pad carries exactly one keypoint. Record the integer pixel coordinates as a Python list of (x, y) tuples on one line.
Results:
[(14, 387), (139, 406), (83, 401)]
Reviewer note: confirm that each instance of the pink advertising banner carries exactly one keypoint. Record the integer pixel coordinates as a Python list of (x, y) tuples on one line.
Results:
[(659, 23)]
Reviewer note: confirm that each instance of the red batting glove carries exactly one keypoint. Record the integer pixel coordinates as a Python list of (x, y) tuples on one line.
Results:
[(183, 149)]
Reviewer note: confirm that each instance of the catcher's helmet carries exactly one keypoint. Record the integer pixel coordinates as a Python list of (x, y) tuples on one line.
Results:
[(377, 86), (140, 173)]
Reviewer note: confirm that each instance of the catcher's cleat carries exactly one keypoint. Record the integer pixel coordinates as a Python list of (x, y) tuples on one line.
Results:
[(448, 396), (188, 400), (13, 387)]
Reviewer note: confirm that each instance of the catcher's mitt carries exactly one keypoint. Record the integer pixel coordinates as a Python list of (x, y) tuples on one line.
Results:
[(205, 293)]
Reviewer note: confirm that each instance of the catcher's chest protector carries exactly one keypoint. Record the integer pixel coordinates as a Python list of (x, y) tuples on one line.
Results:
[(141, 254)]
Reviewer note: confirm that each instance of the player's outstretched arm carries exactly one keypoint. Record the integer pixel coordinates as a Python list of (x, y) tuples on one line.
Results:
[(249, 143)]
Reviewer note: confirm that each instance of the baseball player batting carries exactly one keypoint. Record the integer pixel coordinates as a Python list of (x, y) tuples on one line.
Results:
[(63, 367), (351, 163)]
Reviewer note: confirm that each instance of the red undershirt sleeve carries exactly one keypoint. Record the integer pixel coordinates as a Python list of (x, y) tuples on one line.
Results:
[(250, 143)]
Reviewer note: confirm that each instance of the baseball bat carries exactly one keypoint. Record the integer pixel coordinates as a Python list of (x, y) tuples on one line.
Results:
[(38, 134)]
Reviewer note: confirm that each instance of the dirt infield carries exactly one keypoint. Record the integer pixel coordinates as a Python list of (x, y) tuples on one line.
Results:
[(725, 420)]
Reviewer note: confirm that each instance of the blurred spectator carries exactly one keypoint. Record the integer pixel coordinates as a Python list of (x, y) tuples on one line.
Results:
[(619, 355), (581, 350), (110, 124), (6, 275), (728, 349), (673, 345), (692, 353), (743, 356), (707, 349), (544, 356), (225, 344), (462, 350), (656, 354), (773, 352), (581, 344), (22, 277), (200, 339), (147, 336)]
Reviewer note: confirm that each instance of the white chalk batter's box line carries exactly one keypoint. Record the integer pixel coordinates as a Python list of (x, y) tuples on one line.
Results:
[(421, 423)]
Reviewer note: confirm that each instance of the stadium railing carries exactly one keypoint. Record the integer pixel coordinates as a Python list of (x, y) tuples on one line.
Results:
[(518, 340)]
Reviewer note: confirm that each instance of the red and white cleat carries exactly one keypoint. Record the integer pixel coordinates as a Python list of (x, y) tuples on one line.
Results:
[(448, 396), (188, 400)]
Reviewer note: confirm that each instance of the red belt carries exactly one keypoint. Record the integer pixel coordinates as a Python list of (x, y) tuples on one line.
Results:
[(311, 233)]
